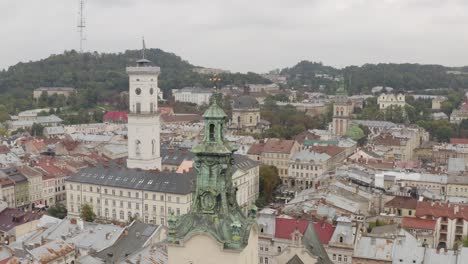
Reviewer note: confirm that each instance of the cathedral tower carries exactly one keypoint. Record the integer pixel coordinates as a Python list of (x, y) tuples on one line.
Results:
[(215, 230), (342, 110), (143, 117)]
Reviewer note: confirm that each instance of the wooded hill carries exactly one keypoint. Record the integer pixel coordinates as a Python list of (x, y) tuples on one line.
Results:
[(360, 79)]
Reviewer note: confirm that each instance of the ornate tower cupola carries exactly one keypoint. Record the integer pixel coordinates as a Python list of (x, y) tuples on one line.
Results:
[(214, 210)]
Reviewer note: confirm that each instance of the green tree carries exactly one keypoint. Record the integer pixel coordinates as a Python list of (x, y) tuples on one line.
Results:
[(37, 130), (87, 213), (58, 210), (465, 241), (4, 116), (42, 101), (269, 181)]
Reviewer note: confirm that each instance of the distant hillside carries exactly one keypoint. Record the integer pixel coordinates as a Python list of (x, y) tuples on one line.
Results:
[(105, 72), (360, 79)]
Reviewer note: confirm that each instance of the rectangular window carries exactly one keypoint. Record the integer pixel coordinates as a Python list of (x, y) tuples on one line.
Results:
[(146, 207), (169, 198), (137, 206), (146, 196), (178, 211), (129, 205), (154, 197), (178, 199), (129, 194), (162, 220), (105, 191), (137, 195)]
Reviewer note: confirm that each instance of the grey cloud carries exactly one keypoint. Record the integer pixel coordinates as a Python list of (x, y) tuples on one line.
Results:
[(244, 35)]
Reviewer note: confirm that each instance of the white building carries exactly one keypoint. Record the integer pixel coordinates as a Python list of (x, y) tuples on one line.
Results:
[(195, 95), (387, 100), (143, 118)]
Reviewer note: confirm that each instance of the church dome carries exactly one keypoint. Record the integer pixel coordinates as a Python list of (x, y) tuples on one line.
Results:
[(245, 102)]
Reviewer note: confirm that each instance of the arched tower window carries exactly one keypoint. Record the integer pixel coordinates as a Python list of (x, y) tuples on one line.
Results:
[(212, 132), (238, 120), (151, 107), (341, 239)]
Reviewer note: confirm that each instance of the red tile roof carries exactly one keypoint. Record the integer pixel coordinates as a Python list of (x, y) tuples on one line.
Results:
[(115, 116), (285, 227), (12, 217), (418, 223), (436, 210), (402, 202), (278, 145), (305, 135), (256, 149), (331, 150), (324, 231), (463, 141)]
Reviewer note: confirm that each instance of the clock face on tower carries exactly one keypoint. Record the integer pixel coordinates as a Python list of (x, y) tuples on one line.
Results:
[(138, 91)]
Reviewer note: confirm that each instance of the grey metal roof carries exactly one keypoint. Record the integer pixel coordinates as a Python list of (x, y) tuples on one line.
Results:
[(167, 182), (175, 156), (245, 101), (243, 162), (138, 235)]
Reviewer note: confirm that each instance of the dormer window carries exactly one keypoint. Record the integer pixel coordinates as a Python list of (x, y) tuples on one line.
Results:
[(212, 132)]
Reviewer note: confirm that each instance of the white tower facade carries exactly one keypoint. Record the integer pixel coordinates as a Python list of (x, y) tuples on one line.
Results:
[(143, 118)]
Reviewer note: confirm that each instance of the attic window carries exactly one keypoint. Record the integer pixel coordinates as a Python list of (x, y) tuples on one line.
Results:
[(150, 182)]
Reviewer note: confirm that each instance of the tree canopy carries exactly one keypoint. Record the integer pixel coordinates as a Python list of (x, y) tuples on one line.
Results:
[(87, 213)]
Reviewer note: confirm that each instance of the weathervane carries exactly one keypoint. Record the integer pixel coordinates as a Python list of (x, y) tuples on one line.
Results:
[(215, 79)]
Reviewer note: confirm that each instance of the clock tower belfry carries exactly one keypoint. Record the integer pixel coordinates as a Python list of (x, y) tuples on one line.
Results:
[(215, 230), (143, 118)]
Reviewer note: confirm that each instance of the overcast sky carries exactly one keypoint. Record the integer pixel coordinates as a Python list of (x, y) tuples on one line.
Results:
[(244, 35)]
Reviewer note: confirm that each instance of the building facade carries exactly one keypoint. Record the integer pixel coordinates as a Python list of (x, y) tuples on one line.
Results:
[(194, 95), (278, 153), (388, 100), (246, 114)]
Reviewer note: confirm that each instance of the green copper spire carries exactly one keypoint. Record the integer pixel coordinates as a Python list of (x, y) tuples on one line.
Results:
[(214, 208)]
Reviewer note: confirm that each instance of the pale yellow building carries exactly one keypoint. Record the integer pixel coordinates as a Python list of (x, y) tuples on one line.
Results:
[(278, 153)]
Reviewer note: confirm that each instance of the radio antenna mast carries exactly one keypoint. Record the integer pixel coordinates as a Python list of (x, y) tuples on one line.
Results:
[(81, 25)]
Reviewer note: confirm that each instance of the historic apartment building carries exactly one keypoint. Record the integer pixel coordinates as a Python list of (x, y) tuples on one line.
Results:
[(120, 194), (49, 91), (278, 152), (388, 100)]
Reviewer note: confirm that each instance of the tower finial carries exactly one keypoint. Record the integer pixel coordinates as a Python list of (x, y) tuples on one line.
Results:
[(143, 49)]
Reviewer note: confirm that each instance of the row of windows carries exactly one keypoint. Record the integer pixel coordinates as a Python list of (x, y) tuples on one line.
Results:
[(306, 167), (339, 258), (121, 193)]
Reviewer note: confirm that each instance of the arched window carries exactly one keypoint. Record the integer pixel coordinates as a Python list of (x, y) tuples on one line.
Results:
[(151, 107), (106, 213), (279, 249), (251, 120), (153, 145), (212, 132), (122, 215), (114, 214), (138, 108), (341, 239)]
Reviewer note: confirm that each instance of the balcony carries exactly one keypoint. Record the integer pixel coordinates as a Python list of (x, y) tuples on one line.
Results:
[(459, 230)]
